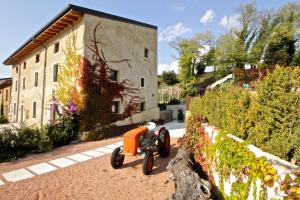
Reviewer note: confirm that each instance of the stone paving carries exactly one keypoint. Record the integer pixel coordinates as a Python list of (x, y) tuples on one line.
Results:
[(52, 165)]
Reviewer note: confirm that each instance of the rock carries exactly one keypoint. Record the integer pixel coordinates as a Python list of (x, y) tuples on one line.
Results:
[(188, 184)]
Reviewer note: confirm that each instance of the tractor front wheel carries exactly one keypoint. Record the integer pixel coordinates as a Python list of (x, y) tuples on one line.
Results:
[(164, 143), (117, 158), (148, 163)]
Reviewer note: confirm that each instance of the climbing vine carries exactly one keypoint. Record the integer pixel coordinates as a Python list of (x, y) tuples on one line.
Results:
[(99, 90), (68, 91), (228, 157)]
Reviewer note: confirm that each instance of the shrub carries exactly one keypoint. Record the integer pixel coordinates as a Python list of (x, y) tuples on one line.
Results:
[(32, 140), (174, 102), (226, 107), (270, 119), (8, 144), (277, 113), (3, 119)]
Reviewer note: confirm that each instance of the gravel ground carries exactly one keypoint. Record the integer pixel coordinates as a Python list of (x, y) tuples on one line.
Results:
[(92, 179)]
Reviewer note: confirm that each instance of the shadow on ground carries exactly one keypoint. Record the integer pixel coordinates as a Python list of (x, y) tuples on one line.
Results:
[(160, 164)]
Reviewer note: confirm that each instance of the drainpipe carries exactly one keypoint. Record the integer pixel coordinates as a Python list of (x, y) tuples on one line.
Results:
[(44, 83)]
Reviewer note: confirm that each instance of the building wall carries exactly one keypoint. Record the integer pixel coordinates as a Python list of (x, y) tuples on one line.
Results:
[(5, 102), (31, 93), (123, 40)]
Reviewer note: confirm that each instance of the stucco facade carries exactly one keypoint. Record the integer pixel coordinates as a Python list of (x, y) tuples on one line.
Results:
[(5, 97), (121, 38)]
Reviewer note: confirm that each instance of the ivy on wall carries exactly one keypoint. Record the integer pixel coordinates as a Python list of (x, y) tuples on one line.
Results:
[(228, 157), (99, 90)]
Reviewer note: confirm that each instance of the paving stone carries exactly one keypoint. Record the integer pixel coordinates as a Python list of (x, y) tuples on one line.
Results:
[(112, 146), (104, 150), (41, 168), (93, 153), (1, 182), (62, 162), (17, 175), (79, 157)]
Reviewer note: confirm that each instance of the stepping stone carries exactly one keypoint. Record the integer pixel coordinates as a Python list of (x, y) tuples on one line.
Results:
[(119, 143), (112, 146), (104, 150), (62, 162), (17, 175), (79, 157), (1, 183), (41, 168), (93, 153)]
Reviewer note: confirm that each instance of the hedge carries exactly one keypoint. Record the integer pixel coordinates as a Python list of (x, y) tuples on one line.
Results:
[(270, 118)]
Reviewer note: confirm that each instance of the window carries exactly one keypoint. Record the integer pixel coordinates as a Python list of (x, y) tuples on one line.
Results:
[(24, 65), (15, 105), (143, 82), (55, 72), (24, 80), (56, 47), (143, 106), (16, 86), (114, 75), (36, 79), (115, 107), (37, 58), (146, 53), (34, 109), (17, 69), (6, 95)]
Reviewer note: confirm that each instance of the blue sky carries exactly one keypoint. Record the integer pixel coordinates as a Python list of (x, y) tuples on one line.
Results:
[(21, 19)]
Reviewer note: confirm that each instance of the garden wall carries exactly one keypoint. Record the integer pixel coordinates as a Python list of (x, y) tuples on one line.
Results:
[(238, 169)]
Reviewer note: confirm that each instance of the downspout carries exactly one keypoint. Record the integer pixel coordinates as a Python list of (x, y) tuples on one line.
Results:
[(44, 82), (19, 82)]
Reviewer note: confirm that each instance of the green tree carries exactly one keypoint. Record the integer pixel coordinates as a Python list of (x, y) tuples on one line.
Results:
[(169, 77)]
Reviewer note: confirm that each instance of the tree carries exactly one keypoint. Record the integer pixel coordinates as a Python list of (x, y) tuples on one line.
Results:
[(192, 60), (282, 41), (99, 91), (233, 46), (169, 77)]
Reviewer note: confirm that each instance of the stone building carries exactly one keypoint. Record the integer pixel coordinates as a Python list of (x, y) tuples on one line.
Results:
[(35, 65), (5, 96)]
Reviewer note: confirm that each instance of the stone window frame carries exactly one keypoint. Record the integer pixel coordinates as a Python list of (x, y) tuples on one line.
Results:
[(34, 109), (56, 64), (144, 85)]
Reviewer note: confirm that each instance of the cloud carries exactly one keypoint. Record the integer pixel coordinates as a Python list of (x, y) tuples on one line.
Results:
[(208, 17), (172, 32), (229, 22), (168, 67), (179, 8)]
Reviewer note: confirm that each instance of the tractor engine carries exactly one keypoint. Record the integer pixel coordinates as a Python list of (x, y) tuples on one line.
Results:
[(147, 141)]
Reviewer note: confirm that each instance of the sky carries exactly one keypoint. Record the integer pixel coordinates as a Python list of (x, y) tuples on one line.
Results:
[(20, 19)]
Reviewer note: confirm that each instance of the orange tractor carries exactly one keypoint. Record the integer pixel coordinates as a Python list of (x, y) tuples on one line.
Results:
[(142, 141)]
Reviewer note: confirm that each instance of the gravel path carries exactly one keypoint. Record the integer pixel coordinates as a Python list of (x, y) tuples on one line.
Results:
[(91, 179)]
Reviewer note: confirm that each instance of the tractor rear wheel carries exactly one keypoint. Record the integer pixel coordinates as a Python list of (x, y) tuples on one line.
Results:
[(164, 143), (117, 158), (148, 163)]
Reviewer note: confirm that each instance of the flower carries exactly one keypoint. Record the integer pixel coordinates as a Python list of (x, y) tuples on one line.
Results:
[(72, 108)]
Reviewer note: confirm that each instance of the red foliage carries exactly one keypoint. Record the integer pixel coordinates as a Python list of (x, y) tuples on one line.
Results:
[(203, 143), (99, 91)]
